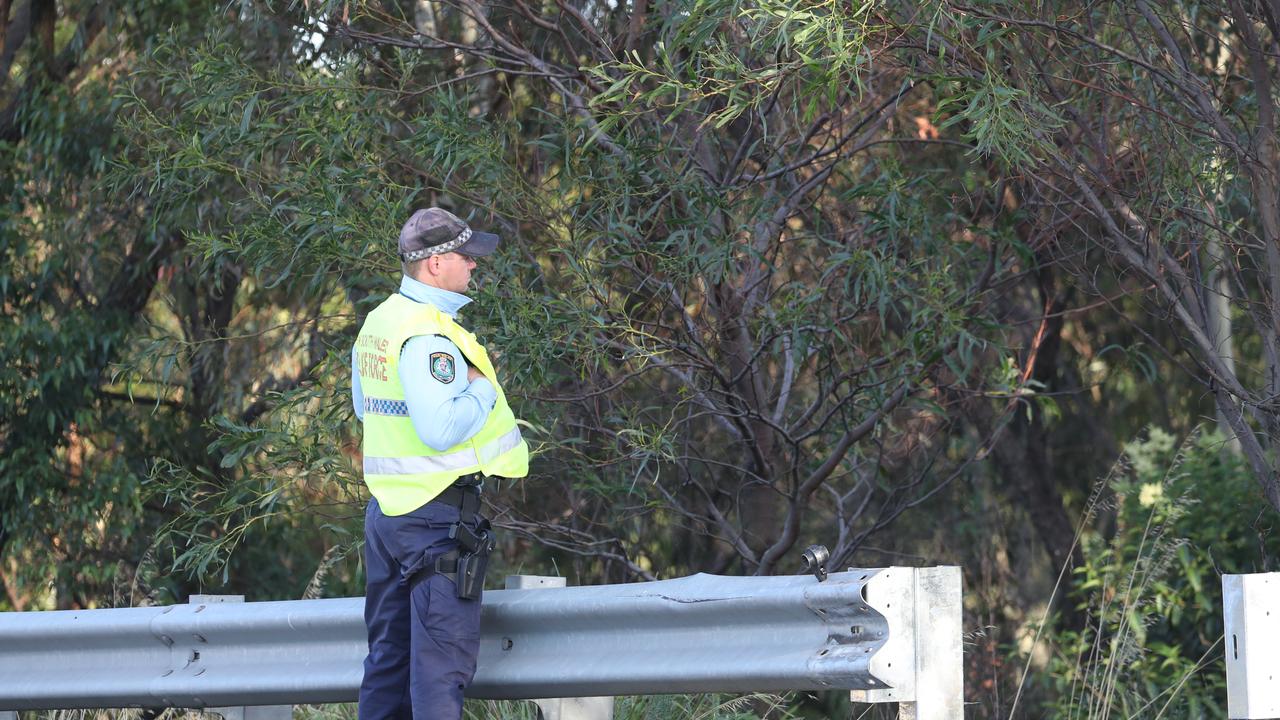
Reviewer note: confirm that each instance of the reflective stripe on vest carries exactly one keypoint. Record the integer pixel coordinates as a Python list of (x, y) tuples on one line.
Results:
[(437, 463), (379, 406)]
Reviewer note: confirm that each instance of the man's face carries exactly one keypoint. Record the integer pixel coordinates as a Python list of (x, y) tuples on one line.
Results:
[(452, 270)]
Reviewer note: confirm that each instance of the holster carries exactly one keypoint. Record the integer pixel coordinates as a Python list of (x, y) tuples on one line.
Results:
[(465, 565), (474, 547), (469, 582)]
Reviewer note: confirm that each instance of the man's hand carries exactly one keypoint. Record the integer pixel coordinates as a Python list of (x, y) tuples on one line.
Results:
[(473, 374)]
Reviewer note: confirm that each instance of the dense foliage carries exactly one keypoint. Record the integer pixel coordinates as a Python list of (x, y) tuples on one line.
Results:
[(1153, 642), (899, 278)]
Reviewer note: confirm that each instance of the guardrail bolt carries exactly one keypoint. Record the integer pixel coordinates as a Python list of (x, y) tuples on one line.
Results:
[(815, 561)]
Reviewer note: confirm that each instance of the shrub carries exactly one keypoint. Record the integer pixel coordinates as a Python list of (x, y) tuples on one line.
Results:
[(1166, 522)]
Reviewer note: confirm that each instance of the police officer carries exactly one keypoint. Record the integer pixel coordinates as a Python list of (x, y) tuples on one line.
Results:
[(435, 423)]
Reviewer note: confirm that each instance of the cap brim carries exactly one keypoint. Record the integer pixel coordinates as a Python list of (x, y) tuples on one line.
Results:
[(481, 243)]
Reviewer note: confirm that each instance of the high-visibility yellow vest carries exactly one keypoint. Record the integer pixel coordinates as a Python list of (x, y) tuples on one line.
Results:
[(403, 472)]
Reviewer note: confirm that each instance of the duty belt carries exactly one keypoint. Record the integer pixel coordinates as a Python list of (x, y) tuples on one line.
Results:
[(463, 494)]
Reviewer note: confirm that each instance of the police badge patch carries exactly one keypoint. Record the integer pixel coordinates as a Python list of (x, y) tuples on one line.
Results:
[(442, 367)]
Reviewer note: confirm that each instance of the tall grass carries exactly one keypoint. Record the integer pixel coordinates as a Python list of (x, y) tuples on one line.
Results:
[(752, 706), (1145, 590)]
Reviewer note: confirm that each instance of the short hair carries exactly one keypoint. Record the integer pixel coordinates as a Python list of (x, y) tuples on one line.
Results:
[(408, 268)]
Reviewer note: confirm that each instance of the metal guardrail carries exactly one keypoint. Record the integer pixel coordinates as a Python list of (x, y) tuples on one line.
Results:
[(887, 635)]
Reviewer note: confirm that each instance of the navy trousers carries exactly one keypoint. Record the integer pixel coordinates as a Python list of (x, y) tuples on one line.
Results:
[(423, 639)]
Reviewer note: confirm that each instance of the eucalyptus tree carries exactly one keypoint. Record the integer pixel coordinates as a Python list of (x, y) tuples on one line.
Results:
[(95, 272), (735, 313), (77, 266), (1150, 133)]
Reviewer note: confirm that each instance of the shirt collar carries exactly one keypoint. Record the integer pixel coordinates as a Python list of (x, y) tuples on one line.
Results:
[(445, 301)]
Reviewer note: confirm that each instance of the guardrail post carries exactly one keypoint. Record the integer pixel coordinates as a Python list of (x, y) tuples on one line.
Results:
[(1251, 625), (588, 708), (921, 661), (254, 712), (241, 712)]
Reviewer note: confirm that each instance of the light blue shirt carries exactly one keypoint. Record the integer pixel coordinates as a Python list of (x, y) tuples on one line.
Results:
[(443, 413)]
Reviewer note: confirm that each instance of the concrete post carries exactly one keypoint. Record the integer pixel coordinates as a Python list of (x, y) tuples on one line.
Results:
[(589, 708)]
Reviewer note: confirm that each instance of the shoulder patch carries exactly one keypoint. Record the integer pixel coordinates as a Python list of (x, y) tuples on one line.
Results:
[(442, 367)]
